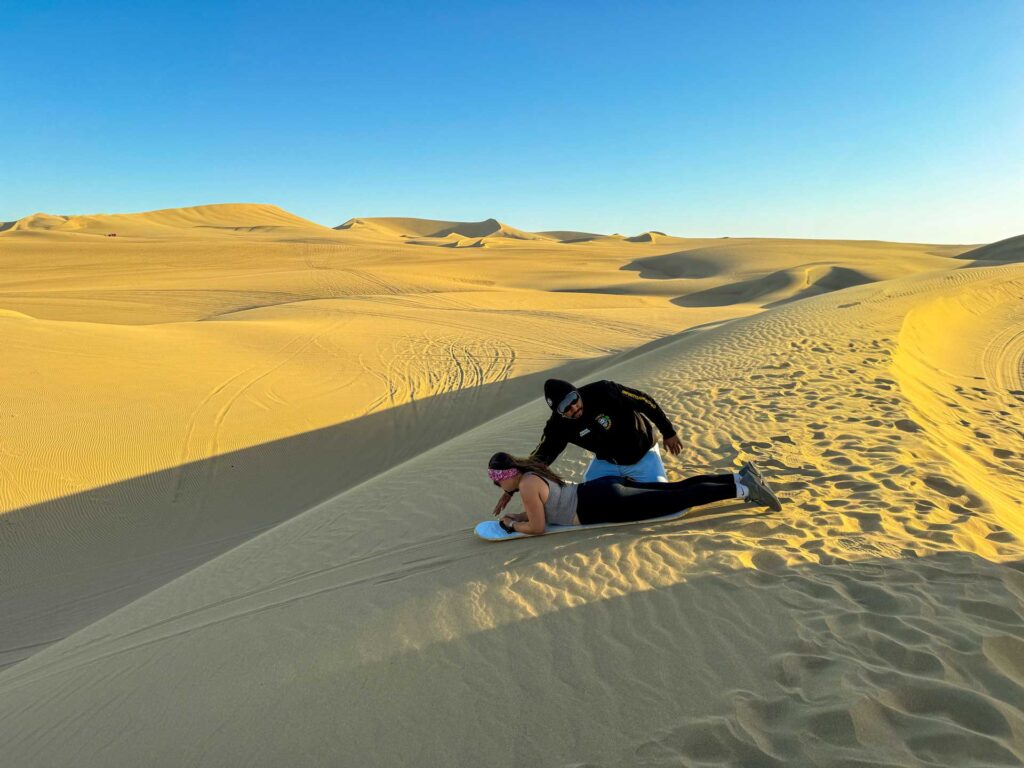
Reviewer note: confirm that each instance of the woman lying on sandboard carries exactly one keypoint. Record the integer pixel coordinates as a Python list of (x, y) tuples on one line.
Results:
[(550, 500)]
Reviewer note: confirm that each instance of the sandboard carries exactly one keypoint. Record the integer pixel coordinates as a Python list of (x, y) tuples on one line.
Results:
[(489, 530)]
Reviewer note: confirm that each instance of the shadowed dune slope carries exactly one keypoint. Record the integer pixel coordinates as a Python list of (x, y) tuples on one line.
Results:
[(875, 620), (569, 236), (1009, 250), (778, 287)]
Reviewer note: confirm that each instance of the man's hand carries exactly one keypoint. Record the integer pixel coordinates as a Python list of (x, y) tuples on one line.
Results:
[(502, 503), (673, 445)]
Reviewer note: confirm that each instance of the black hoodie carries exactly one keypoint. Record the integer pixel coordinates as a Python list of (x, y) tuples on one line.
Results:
[(614, 425)]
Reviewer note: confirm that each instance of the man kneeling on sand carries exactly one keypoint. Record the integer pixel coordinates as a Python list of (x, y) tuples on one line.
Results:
[(614, 423)]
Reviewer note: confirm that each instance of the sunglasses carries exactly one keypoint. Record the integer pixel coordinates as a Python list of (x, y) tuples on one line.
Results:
[(568, 402)]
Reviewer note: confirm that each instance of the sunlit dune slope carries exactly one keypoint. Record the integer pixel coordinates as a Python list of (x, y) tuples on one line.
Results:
[(872, 621), (198, 221)]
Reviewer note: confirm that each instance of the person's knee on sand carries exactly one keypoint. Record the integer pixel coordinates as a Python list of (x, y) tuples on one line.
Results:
[(650, 469)]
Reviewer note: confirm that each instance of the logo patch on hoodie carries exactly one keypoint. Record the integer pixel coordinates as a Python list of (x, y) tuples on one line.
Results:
[(604, 421)]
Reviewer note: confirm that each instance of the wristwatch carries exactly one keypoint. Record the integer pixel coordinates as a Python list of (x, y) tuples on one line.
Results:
[(510, 528)]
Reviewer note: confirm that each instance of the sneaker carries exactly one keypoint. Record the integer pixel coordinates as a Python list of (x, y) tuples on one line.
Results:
[(749, 469), (760, 492)]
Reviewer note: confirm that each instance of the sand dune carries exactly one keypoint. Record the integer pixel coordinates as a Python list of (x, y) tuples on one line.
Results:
[(262, 561), (570, 236), (1008, 250), (653, 236), (172, 222), (430, 228)]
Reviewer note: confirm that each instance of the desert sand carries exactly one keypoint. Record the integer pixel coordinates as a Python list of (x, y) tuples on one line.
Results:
[(241, 456)]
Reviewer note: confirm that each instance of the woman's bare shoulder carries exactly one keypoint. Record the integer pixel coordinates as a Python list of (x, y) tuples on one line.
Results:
[(532, 481)]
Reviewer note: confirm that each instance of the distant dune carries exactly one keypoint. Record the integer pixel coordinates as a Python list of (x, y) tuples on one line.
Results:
[(1008, 250), (429, 228), (237, 217), (648, 237), (569, 236), (242, 456)]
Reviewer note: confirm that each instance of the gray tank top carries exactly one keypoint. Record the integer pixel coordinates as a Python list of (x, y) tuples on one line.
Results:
[(560, 508)]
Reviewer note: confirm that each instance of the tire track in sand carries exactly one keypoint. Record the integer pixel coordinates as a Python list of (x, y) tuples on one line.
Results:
[(424, 366), (201, 443)]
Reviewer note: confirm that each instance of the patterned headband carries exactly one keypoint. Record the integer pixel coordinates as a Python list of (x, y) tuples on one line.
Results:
[(501, 474)]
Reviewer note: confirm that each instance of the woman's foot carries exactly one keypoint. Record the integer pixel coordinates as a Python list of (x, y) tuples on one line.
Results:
[(750, 469), (758, 490)]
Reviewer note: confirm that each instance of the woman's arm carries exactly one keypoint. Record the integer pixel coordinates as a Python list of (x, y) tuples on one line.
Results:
[(552, 443), (533, 505)]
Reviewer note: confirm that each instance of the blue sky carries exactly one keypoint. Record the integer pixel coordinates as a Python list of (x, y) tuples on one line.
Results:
[(871, 120)]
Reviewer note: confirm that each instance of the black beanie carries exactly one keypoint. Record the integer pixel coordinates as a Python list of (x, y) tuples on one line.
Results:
[(555, 391)]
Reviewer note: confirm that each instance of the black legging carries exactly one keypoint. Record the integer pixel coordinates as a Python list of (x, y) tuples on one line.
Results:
[(619, 500)]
